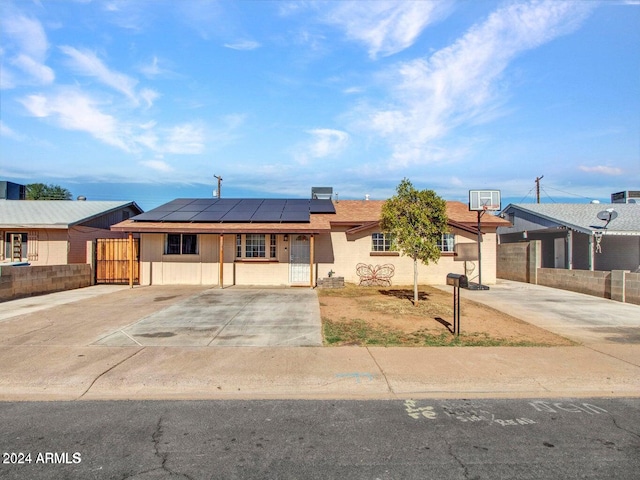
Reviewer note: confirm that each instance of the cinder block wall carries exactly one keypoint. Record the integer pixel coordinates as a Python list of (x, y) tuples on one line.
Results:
[(582, 281), (513, 261), (632, 284), (16, 282)]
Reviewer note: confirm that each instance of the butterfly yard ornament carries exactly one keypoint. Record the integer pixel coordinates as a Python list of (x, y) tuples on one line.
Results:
[(379, 276)]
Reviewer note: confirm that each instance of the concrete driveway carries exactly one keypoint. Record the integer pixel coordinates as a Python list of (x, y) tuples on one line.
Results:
[(233, 317), (585, 319)]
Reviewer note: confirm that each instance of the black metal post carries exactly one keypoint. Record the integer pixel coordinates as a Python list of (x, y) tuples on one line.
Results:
[(458, 329)]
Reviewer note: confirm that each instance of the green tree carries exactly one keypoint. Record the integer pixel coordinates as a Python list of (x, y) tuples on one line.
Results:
[(416, 219), (41, 191)]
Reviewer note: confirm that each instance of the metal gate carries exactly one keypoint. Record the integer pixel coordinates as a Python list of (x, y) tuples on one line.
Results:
[(112, 260), (300, 268)]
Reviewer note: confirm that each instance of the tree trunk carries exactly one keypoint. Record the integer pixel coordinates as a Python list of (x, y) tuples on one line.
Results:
[(415, 282)]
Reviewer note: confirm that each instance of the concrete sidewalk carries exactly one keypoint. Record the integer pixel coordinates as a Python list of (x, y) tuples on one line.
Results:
[(50, 359)]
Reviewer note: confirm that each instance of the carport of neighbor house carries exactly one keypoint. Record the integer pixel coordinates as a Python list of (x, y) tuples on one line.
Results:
[(233, 317)]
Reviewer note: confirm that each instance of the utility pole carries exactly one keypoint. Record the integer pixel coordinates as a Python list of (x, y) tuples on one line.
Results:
[(538, 188), (219, 185)]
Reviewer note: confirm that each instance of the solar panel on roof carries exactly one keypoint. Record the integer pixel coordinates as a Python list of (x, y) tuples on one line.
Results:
[(322, 206), (266, 216), (208, 216), (294, 216), (149, 216), (297, 206), (205, 201), (179, 217), (237, 210), (191, 208)]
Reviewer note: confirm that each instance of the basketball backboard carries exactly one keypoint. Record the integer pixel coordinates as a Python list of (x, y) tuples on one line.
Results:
[(484, 200)]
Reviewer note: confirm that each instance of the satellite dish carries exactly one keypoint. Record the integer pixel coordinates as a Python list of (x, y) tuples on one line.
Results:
[(607, 216)]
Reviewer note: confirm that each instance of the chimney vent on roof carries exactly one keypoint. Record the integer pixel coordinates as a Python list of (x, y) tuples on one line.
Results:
[(366, 197)]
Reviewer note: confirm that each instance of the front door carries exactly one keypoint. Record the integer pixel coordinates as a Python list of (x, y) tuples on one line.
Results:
[(300, 257)]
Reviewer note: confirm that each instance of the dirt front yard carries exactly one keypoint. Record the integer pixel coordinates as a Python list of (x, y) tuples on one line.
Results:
[(386, 316)]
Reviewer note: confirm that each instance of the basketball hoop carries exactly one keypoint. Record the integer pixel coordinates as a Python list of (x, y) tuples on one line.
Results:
[(598, 237)]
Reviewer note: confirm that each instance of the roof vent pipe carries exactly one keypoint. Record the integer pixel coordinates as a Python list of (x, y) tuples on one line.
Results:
[(366, 197)]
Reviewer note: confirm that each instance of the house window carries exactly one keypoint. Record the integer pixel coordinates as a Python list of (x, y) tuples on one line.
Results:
[(447, 242), (16, 246), (181, 244), (381, 242), (255, 246)]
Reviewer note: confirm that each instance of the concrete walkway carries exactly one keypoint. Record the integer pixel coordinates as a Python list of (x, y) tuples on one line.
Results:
[(51, 354)]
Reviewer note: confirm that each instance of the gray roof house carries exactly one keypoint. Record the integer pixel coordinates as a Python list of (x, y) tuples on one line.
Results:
[(55, 232), (578, 236)]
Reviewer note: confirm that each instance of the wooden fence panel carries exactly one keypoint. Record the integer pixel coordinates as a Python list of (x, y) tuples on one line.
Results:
[(112, 260)]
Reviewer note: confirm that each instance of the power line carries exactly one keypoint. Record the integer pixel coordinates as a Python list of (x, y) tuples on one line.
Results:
[(526, 195), (569, 193), (545, 192)]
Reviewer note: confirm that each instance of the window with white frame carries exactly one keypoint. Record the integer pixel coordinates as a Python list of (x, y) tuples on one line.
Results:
[(447, 242), (381, 242), (181, 244), (254, 245)]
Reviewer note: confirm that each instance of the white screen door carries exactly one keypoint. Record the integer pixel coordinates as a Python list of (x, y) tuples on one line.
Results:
[(299, 261)]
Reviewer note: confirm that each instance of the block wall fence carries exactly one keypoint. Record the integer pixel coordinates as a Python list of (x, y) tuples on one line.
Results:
[(521, 262)]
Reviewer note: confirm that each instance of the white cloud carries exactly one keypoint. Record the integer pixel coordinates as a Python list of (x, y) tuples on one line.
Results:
[(71, 109), (325, 143), (602, 170), (42, 74), (159, 165), (28, 35), (386, 27), (459, 84), (243, 45), (149, 96), (185, 139), (26, 48), (152, 69), (88, 63), (8, 132)]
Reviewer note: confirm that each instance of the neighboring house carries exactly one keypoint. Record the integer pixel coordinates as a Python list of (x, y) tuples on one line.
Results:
[(574, 237), (288, 242), (55, 232)]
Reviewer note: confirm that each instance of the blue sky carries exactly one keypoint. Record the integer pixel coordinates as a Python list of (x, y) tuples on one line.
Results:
[(146, 100)]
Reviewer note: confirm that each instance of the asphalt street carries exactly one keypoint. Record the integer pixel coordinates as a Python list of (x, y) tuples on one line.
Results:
[(395, 439)]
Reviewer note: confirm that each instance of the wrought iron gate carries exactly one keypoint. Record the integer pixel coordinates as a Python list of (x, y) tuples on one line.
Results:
[(112, 260)]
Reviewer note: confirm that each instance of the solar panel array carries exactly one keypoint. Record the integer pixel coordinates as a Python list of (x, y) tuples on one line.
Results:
[(236, 210)]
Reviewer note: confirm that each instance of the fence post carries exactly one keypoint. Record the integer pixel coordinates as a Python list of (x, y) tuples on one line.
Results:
[(618, 287), (535, 260)]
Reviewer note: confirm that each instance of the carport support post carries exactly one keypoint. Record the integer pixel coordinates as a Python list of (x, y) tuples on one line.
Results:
[(311, 259), (130, 260), (221, 262)]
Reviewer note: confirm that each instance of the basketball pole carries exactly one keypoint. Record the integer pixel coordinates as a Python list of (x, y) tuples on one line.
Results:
[(479, 251), (480, 286)]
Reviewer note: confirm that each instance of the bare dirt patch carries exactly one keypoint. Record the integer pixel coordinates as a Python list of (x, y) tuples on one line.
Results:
[(387, 316)]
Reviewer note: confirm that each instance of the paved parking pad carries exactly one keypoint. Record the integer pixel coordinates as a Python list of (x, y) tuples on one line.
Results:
[(229, 317)]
